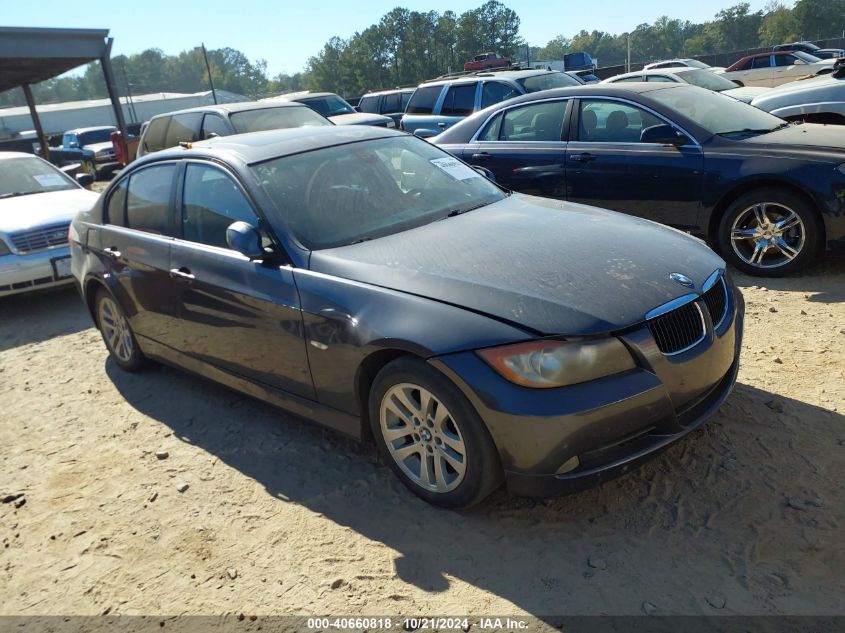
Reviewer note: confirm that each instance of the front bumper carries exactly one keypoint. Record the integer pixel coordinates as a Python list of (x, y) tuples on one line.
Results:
[(33, 271), (610, 425)]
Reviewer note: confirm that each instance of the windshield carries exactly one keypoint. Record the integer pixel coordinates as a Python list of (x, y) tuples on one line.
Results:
[(359, 191), (806, 57), (275, 119), (717, 113), (694, 63), (329, 106), (547, 81), (96, 136), (706, 79), (27, 175)]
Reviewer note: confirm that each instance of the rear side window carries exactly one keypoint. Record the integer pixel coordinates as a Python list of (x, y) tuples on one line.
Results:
[(762, 62), (535, 122), (460, 101), (368, 105), (785, 60), (423, 100), (391, 103), (154, 134), (210, 203), (183, 128), (148, 199)]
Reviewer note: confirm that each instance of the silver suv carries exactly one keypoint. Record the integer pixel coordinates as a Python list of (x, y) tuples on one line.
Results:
[(439, 104)]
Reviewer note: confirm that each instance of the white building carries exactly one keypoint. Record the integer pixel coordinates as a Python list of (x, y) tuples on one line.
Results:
[(58, 117)]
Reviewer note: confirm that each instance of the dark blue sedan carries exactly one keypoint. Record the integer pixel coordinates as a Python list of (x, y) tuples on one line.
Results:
[(769, 195)]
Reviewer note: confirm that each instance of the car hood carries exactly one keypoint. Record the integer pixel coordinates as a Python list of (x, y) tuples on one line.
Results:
[(548, 266), (360, 118), (96, 147), (745, 94), (37, 209), (812, 137), (804, 91)]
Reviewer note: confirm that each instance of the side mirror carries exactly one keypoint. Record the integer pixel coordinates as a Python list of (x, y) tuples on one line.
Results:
[(485, 172), (738, 83), (424, 133), (211, 135), (85, 180), (245, 238), (663, 134), (799, 62)]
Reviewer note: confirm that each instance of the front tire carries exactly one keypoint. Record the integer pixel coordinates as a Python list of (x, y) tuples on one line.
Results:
[(117, 334), (430, 435), (770, 232)]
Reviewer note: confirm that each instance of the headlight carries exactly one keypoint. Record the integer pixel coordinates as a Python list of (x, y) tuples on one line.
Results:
[(391, 123), (545, 364), (841, 168), (4, 250)]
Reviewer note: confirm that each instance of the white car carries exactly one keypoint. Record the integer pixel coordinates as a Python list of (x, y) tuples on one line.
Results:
[(37, 203), (814, 100), (773, 69), (694, 76), (682, 63)]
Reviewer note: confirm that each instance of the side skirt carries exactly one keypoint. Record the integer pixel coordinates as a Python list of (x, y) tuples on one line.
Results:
[(312, 411)]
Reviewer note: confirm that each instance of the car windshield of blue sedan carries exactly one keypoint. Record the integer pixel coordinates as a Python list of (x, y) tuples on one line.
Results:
[(717, 113), (24, 176), (360, 191)]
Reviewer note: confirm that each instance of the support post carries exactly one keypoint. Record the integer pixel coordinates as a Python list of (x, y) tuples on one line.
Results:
[(208, 69), (108, 75), (36, 122)]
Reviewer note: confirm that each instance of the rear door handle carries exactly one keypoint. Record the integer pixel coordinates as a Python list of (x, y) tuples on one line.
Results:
[(582, 158), (481, 157), (182, 274), (111, 252)]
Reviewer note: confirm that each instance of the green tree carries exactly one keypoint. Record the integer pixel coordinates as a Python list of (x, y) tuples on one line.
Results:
[(779, 25)]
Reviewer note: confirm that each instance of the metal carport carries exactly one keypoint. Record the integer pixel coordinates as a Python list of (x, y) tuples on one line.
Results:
[(31, 55)]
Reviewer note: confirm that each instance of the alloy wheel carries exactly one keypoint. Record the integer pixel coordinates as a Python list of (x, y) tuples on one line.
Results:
[(423, 438), (767, 235), (116, 330)]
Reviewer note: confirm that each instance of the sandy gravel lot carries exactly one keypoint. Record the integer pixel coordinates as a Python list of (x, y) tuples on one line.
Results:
[(745, 516)]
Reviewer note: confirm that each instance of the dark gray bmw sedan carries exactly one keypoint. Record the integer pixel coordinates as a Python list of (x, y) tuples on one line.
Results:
[(367, 280)]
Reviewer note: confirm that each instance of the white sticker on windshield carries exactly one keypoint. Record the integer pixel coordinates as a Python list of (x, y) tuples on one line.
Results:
[(455, 168), (50, 180)]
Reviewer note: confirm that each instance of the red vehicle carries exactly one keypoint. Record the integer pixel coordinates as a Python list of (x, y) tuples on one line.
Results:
[(486, 61)]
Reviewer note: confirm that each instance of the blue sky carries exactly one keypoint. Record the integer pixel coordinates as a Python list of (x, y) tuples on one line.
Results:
[(287, 33)]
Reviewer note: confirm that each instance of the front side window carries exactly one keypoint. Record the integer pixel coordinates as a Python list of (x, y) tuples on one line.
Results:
[(330, 105), (184, 128), (406, 97), (634, 78), (211, 201), (349, 193), (660, 78), (460, 100), (148, 199), (275, 119), (612, 122), (423, 100), (495, 92), (762, 62), (95, 136), (391, 103), (27, 175), (213, 124)]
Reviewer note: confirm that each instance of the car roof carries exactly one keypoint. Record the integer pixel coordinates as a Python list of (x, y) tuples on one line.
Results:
[(653, 71), (4, 155), (387, 91), (226, 108), (97, 128), (484, 74), (257, 147)]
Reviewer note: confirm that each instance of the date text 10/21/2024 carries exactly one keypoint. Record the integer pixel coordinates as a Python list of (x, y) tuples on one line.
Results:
[(415, 623)]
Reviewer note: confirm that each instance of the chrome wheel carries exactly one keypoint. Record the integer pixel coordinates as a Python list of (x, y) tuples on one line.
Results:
[(115, 330), (768, 235), (422, 437)]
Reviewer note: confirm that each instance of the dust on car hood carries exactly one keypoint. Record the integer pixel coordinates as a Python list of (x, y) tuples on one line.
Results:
[(550, 266)]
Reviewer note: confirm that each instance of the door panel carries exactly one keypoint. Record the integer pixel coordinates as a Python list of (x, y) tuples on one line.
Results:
[(613, 171)]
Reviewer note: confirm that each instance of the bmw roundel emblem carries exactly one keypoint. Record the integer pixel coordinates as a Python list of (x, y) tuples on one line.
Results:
[(682, 279)]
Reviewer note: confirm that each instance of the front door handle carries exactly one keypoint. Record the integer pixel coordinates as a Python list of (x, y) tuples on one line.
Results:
[(182, 274), (481, 157), (582, 158), (111, 252)]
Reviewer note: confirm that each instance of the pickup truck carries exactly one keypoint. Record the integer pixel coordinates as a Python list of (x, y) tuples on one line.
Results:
[(89, 146), (486, 61)]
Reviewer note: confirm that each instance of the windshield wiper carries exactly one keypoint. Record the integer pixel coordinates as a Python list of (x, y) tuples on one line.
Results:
[(749, 131), (14, 194), (452, 214), (360, 241)]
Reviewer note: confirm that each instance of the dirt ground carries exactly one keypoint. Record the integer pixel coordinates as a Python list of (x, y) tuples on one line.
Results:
[(745, 516)]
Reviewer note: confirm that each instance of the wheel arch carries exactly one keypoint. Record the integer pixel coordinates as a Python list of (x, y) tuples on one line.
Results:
[(367, 371), (747, 186), (89, 293)]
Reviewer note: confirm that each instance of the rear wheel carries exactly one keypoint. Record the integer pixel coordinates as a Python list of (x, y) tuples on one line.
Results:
[(770, 233), (431, 437), (117, 334)]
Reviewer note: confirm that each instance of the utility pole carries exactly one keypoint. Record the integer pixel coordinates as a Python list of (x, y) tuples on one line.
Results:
[(628, 62), (129, 94), (208, 69)]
